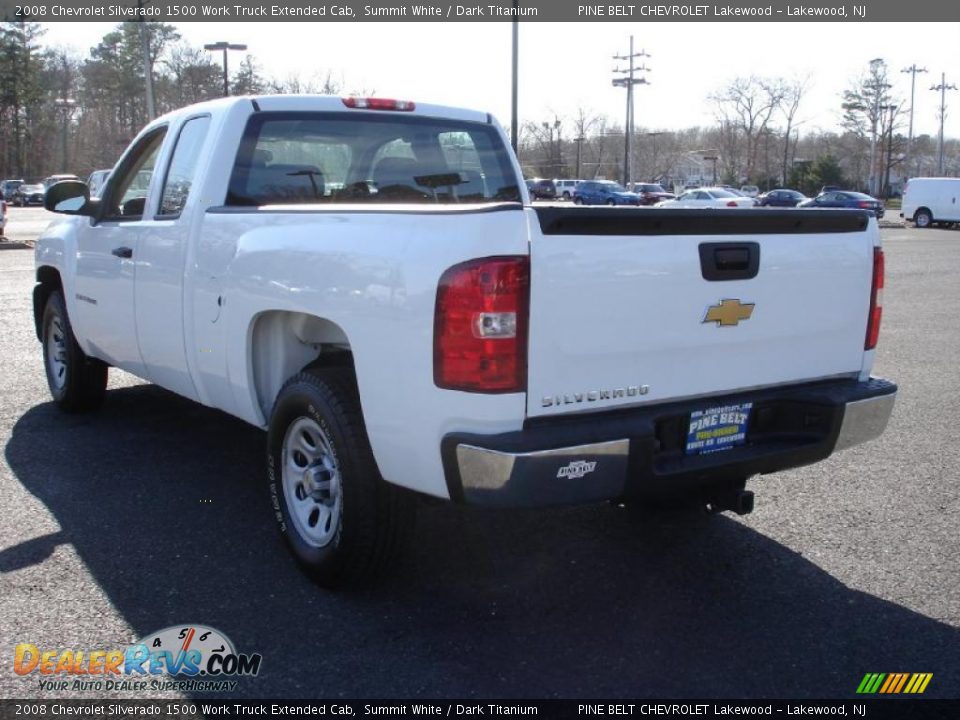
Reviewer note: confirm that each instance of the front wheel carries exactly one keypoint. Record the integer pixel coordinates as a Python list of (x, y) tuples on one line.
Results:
[(922, 218), (341, 520), (611, 203), (77, 382), (578, 201)]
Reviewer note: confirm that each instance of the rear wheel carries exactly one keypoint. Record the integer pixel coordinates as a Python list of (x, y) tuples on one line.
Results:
[(922, 218), (578, 201), (566, 195), (611, 203), (341, 520), (77, 382)]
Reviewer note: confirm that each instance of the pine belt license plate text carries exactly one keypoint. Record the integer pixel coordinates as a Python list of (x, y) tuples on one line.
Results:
[(718, 428)]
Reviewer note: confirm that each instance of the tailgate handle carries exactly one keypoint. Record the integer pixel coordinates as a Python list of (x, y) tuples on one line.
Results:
[(729, 261)]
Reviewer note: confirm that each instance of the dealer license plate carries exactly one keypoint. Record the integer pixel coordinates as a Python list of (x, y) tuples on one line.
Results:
[(718, 428)]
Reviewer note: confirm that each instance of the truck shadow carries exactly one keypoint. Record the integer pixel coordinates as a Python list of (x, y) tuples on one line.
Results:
[(165, 503)]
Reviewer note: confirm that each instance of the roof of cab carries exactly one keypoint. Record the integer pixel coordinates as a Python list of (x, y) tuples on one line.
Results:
[(323, 103)]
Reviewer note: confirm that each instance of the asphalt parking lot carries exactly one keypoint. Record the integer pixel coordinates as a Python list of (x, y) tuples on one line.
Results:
[(154, 512)]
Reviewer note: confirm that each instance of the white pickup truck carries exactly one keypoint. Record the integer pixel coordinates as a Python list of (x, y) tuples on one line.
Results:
[(367, 280)]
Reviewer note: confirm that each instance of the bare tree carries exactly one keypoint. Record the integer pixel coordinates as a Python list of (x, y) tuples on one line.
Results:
[(743, 109), (793, 92), (864, 105)]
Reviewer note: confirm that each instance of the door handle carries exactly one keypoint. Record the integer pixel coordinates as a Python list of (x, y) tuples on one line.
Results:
[(729, 261), (122, 252)]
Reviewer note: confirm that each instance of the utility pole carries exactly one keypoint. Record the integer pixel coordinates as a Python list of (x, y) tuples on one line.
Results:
[(66, 106), (579, 140), (226, 47), (913, 70), (628, 82), (147, 72), (942, 87), (514, 85)]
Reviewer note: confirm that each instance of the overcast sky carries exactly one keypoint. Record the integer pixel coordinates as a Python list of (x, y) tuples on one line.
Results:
[(567, 65)]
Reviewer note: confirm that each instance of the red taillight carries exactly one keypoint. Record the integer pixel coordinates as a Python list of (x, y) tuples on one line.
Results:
[(866, 205), (480, 326), (378, 104), (732, 203), (876, 301)]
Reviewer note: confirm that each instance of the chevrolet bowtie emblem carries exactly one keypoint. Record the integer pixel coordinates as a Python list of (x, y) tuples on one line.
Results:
[(728, 312)]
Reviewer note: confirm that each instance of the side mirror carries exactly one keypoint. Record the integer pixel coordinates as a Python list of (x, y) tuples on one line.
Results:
[(70, 197)]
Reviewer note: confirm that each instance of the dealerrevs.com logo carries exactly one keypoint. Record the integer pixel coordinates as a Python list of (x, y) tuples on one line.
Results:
[(183, 657)]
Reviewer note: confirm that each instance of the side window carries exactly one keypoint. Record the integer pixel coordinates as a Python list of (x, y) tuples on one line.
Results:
[(126, 195), (183, 166)]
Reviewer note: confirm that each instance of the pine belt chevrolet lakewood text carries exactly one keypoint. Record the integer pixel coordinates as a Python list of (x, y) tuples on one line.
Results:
[(367, 280)]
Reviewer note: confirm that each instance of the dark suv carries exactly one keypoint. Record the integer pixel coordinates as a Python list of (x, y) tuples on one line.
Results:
[(541, 189)]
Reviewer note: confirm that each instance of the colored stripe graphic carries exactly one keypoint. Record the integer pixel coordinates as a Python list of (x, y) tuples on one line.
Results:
[(894, 683)]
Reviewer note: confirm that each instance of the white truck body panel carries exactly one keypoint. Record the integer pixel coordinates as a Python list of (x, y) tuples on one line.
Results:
[(224, 304), (622, 312)]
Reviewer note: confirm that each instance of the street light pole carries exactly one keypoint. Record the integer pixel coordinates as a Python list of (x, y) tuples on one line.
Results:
[(878, 88), (628, 82), (942, 87), (225, 47), (913, 70)]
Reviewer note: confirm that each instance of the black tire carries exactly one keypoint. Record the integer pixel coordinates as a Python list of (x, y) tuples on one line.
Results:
[(566, 195), (77, 383), (374, 517), (922, 218), (578, 201), (612, 203)]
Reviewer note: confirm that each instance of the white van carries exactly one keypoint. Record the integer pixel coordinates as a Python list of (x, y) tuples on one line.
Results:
[(931, 200)]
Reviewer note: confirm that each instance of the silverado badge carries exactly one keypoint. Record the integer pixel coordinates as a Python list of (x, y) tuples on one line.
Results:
[(729, 312)]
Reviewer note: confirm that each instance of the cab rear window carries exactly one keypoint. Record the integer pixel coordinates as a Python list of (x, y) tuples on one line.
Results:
[(308, 158)]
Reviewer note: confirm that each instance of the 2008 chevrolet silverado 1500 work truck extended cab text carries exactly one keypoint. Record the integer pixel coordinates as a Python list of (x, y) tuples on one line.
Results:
[(367, 280)]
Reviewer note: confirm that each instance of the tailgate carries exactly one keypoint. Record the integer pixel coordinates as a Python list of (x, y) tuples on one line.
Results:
[(631, 306)]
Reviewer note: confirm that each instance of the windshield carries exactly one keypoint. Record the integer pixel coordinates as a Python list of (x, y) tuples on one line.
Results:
[(299, 157)]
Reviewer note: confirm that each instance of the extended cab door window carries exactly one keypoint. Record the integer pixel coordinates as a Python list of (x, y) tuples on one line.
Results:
[(126, 195), (183, 167)]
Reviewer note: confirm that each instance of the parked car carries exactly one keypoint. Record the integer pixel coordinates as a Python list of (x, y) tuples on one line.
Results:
[(3, 216), (565, 188), (927, 201), (29, 195), (845, 199), (8, 188), (541, 189), (709, 197), (48, 181), (651, 193), (604, 192), (96, 181), (781, 198), (750, 191)]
